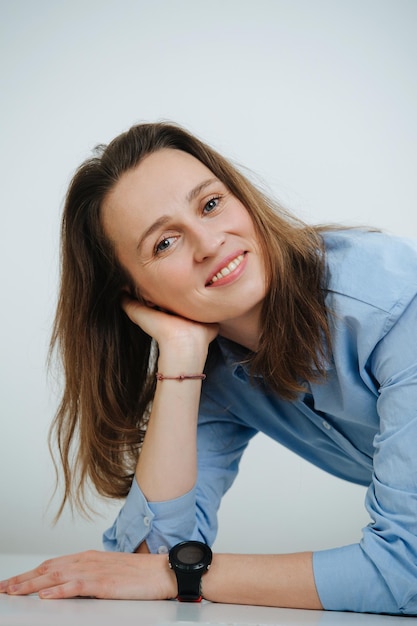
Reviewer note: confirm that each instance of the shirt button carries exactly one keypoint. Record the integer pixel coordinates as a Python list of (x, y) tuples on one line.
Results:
[(162, 550), (146, 521), (326, 425)]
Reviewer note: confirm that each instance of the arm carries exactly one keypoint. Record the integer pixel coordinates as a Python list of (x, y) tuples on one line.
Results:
[(221, 441), (170, 439), (282, 581), (161, 523), (171, 431), (379, 574)]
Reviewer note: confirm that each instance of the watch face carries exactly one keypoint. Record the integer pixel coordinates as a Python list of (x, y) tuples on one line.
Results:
[(190, 554)]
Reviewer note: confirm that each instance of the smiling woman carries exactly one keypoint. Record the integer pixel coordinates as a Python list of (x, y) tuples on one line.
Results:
[(191, 230), (194, 312)]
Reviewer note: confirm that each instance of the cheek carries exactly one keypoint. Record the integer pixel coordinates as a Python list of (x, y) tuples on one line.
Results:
[(162, 282), (250, 228), (243, 217)]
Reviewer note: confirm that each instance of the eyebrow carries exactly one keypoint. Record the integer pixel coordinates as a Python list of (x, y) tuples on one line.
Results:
[(199, 188), (164, 219)]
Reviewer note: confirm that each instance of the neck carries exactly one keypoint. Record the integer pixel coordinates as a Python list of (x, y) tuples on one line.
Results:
[(245, 330)]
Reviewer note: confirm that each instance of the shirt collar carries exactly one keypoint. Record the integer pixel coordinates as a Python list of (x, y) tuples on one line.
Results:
[(236, 357)]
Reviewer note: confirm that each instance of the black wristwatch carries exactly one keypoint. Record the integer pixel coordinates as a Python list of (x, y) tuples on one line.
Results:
[(190, 560)]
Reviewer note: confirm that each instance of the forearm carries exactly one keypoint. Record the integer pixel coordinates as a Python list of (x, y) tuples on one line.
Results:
[(265, 580), (167, 465), (282, 581)]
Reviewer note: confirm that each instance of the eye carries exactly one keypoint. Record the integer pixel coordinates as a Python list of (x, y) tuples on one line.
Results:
[(211, 205), (164, 244)]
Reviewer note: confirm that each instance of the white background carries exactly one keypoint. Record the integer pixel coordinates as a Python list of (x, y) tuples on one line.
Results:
[(318, 97)]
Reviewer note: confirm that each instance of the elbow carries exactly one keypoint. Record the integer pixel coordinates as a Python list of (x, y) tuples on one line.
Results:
[(396, 564)]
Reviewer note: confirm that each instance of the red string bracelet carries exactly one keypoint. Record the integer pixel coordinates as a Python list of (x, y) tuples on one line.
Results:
[(181, 377)]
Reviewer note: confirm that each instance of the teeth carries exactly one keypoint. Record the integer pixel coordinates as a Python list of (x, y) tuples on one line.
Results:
[(229, 268)]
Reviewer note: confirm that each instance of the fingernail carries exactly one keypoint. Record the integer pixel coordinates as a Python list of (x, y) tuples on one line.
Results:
[(3, 586), (45, 593)]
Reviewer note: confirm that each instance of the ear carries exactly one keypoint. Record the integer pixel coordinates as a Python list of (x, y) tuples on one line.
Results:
[(127, 289), (134, 293)]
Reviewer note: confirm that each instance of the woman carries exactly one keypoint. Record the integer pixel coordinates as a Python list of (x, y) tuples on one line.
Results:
[(194, 313)]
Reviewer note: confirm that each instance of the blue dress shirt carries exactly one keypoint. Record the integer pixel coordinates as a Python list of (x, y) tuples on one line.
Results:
[(360, 424)]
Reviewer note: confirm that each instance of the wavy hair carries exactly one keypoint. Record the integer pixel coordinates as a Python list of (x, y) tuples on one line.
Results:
[(109, 362)]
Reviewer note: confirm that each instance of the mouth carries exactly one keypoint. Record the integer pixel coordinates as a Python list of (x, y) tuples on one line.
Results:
[(227, 269)]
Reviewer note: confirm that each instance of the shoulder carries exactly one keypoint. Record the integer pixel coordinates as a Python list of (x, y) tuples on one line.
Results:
[(372, 268)]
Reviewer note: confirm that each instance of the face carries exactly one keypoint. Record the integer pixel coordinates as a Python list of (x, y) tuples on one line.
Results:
[(189, 245)]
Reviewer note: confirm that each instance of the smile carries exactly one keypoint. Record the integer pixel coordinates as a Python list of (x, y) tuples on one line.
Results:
[(228, 269)]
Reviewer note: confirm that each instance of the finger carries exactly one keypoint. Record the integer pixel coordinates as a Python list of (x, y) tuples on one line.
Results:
[(71, 589), (136, 311), (18, 579), (32, 582), (131, 305), (94, 585), (19, 584), (50, 574)]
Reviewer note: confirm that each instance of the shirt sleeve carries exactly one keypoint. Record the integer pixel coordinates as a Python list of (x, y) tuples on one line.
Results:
[(193, 516), (379, 575)]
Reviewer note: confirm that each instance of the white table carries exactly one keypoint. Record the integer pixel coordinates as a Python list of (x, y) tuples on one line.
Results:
[(31, 611)]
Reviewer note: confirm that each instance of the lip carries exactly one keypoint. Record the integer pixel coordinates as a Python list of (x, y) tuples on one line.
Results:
[(232, 275)]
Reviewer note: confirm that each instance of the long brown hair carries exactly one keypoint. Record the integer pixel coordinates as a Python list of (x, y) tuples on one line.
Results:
[(109, 362)]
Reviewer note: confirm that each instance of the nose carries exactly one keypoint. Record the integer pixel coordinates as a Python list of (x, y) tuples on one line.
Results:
[(206, 241)]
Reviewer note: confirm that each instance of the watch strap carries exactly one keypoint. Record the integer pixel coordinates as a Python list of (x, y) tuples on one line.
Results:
[(189, 586)]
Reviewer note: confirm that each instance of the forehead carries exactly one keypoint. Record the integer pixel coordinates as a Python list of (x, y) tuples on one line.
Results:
[(165, 171), (161, 180)]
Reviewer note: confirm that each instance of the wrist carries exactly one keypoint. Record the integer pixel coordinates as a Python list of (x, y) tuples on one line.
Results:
[(173, 585), (223, 582), (208, 581), (168, 588), (175, 364)]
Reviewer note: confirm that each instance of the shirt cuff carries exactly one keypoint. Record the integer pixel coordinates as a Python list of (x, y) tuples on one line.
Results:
[(172, 521), (347, 580), (132, 524), (161, 524)]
